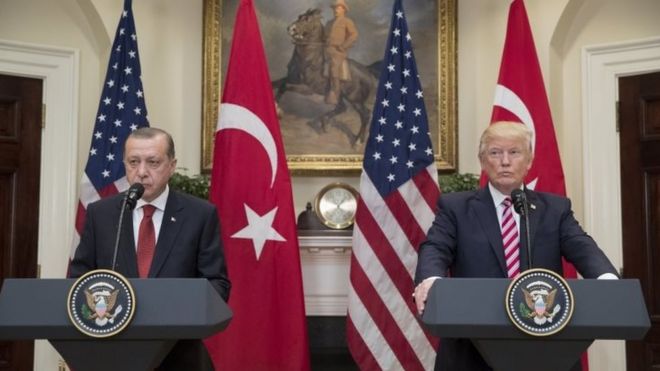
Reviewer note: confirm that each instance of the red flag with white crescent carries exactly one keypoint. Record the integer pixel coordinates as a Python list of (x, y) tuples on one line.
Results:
[(251, 186), (520, 96)]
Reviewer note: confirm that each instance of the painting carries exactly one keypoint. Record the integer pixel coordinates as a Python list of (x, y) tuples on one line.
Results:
[(322, 137)]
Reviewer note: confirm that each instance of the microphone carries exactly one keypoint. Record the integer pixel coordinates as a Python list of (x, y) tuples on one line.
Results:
[(134, 193), (519, 199), (130, 199), (521, 206)]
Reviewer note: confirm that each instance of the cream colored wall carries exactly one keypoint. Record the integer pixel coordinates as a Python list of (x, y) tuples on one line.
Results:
[(594, 22), (170, 56), (169, 36), (63, 24)]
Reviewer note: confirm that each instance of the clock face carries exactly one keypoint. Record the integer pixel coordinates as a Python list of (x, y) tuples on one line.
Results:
[(336, 205)]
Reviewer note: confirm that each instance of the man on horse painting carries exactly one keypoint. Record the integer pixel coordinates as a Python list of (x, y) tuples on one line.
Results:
[(341, 35)]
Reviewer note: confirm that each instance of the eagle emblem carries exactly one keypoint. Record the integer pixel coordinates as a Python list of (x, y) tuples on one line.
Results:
[(100, 301), (540, 298), (539, 302)]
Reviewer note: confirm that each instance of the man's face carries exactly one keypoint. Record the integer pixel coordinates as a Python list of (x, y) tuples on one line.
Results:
[(146, 162), (506, 161), (339, 11)]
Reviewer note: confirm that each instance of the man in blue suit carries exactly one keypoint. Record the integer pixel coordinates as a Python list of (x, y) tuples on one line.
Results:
[(466, 239), (185, 238)]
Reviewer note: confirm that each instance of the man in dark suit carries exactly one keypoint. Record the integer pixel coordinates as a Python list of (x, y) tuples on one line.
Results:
[(181, 239), (467, 240)]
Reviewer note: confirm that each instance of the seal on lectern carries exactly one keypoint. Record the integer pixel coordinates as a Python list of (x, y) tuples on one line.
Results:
[(539, 302), (101, 303)]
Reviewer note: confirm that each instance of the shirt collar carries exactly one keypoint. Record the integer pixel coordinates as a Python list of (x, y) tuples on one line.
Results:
[(498, 196), (159, 202)]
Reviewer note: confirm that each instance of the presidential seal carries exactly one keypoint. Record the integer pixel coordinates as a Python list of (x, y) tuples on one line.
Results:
[(539, 302), (101, 303)]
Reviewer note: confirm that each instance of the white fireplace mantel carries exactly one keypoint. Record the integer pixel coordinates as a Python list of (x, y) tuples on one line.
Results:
[(325, 264)]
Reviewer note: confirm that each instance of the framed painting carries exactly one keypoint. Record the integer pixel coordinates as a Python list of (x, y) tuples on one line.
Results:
[(322, 138)]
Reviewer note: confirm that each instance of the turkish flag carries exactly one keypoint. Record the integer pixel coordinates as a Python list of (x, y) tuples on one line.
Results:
[(251, 186), (520, 96)]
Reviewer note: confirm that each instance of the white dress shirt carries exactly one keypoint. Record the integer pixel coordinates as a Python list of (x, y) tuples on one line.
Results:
[(159, 203)]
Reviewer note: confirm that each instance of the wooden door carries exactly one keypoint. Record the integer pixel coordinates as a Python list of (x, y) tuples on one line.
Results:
[(20, 151), (639, 99)]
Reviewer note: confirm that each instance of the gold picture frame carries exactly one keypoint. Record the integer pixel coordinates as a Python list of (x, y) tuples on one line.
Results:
[(445, 142)]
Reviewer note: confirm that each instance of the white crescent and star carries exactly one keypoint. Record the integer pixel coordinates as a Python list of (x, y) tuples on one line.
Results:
[(510, 101), (259, 228), (233, 116)]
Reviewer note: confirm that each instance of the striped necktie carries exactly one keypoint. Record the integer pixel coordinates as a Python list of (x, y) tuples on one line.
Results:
[(510, 240)]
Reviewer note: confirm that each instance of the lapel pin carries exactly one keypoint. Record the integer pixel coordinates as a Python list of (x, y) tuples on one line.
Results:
[(173, 219), (532, 206)]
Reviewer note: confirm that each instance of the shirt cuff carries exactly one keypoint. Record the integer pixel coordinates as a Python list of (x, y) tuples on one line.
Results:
[(608, 276), (432, 278)]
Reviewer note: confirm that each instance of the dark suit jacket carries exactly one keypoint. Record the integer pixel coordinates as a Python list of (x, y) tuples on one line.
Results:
[(188, 246), (465, 239)]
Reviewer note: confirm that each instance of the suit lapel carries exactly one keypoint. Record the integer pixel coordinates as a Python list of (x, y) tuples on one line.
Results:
[(169, 229), (126, 256), (485, 212), (536, 210)]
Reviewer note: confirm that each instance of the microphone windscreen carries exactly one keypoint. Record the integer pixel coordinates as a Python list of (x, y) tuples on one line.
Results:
[(134, 193), (519, 198)]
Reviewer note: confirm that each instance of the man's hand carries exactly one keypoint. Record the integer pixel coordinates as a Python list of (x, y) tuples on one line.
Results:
[(422, 292)]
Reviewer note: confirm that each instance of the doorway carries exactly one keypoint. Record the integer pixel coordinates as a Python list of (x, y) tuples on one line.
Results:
[(639, 144), (20, 153)]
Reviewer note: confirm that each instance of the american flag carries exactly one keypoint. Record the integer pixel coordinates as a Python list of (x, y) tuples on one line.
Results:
[(121, 111), (398, 190)]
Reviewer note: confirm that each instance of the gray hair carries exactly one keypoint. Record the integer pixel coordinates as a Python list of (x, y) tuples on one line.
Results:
[(506, 129), (149, 132)]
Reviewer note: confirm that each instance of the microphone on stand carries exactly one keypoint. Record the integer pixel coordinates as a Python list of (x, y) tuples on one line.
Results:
[(130, 199), (521, 206)]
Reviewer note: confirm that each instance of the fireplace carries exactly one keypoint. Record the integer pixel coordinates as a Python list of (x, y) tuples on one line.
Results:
[(325, 267), (327, 344)]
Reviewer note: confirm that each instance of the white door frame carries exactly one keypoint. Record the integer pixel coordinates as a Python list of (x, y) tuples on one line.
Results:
[(59, 70), (602, 65)]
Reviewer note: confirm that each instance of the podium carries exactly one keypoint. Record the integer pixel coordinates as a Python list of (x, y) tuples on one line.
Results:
[(474, 308), (166, 310)]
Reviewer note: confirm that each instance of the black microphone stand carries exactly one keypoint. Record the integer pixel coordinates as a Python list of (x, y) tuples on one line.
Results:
[(130, 199), (522, 207), (527, 234), (121, 221)]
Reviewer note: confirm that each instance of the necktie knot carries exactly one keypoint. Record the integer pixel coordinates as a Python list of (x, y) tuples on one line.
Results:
[(148, 210), (507, 202)]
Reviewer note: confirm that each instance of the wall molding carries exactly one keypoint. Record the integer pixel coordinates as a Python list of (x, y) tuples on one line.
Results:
[(59, 70), (602, 65)]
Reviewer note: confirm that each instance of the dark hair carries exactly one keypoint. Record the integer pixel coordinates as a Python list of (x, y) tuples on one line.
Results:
[(149, 132)]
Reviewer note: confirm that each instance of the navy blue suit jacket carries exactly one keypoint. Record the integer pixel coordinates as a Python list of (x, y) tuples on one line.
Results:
[(465, 239), (188, 246)]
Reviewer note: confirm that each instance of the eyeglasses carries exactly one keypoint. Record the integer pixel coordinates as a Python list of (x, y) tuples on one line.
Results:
[(498, 154)]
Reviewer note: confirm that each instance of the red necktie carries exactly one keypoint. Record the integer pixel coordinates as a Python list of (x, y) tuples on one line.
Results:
[(510, 240), (146, 241)]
